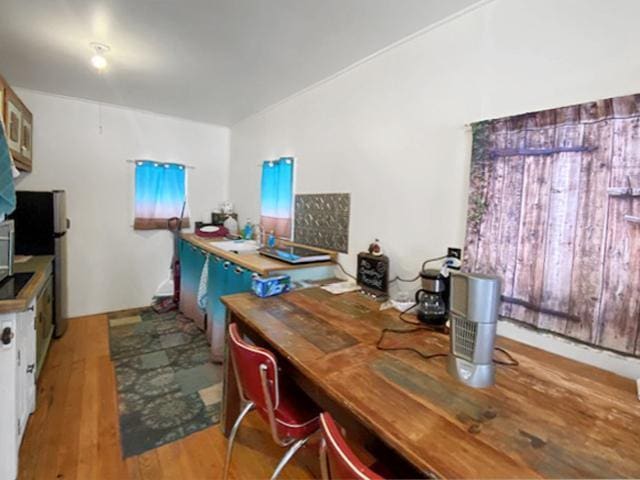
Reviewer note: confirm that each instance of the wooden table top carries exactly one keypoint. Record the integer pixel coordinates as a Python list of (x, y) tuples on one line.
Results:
[(548, 417), (41, 265), (251, 261)]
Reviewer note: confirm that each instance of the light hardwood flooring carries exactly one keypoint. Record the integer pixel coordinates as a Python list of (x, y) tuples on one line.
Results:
[(74, 431)]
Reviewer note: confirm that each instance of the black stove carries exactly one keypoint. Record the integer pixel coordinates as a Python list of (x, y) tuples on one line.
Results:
[(10, 287)]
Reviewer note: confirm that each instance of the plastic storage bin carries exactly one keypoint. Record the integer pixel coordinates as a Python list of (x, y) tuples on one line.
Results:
[(270, 286)]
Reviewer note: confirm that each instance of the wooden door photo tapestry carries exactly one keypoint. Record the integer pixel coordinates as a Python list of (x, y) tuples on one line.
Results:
[(554, 210)]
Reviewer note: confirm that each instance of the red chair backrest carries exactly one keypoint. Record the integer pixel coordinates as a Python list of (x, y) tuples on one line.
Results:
[(246, 362), (343, 464)]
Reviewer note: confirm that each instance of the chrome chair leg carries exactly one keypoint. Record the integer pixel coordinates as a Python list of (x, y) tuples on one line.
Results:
[(232, 436), (324, 461), (288, 455)]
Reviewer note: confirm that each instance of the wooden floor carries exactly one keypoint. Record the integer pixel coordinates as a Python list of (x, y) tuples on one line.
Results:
[(74, 431)]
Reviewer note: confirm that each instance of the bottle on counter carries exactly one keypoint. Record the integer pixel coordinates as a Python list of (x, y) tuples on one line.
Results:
[(247, 231), (271, 240), (231, 225), (259, 234)]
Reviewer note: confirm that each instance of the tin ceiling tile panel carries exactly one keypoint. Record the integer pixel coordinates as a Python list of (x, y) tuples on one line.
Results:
[(322, 220)]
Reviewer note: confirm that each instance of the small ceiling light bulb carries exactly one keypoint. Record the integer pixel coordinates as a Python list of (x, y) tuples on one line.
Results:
[(99, 61)]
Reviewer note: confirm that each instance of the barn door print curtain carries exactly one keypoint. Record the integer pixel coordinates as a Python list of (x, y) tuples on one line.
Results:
[(554, 210), (277, 196), (160, 193)]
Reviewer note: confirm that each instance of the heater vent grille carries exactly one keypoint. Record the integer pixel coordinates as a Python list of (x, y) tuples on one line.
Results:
[(464, 337)]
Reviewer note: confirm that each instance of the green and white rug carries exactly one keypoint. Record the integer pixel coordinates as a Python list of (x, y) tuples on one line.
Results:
[(167, 386)]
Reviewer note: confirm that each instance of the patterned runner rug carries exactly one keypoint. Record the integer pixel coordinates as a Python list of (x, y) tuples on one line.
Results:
[(167, 386)]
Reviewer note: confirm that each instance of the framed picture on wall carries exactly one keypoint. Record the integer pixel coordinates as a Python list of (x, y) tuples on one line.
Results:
[(14, 124)]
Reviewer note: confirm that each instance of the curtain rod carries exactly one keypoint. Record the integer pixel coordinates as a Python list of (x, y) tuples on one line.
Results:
[(276, 160), (191, 167)]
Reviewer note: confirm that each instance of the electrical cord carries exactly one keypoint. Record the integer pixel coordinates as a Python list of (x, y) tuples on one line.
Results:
[(409, 349), (419, 327), (345, 272), (443, 330), (435, 328), (429, 260), (405, 280), (397, 278), (404, 312), (512, 361)]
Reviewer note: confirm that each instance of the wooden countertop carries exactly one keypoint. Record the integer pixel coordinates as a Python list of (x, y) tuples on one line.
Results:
[(42, 267), (251, 261), (548, 417)]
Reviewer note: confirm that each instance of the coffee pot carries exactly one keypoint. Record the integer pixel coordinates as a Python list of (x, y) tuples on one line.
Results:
[(431, 299)]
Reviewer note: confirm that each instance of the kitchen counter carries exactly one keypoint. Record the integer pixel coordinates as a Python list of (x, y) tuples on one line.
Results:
[(251, 261), (42, 266)]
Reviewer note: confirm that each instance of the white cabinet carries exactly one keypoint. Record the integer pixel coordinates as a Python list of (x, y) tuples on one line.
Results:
[(26, 365), (17, 388)]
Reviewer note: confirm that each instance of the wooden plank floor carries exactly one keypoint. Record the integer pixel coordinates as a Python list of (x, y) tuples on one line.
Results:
[(74, 431)]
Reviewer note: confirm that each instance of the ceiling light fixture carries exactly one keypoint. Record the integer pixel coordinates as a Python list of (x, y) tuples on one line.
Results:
[(98, 60)]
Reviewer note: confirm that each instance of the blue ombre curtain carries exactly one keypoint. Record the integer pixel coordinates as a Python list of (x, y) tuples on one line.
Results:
[(277, 196), (160, 194)]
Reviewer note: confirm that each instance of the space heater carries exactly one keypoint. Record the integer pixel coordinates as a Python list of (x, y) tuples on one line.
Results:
[(473, 315)]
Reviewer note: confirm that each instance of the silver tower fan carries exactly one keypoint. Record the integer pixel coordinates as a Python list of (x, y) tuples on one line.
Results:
[(473, 314)]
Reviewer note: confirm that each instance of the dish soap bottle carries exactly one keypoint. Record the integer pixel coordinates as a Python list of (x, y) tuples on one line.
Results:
[(247, 232), (271, 241)]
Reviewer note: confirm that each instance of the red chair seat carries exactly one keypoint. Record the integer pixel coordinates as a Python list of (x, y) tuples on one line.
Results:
[(296, 416), (339, 460)]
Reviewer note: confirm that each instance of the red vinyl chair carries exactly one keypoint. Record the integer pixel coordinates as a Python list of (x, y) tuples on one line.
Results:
[(291, 416), (337, 460)]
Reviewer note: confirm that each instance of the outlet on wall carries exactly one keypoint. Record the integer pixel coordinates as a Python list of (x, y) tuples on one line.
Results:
[(455, 253)]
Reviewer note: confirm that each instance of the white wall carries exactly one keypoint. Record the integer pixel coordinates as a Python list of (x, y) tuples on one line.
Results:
[(391, 130), (81, 147)]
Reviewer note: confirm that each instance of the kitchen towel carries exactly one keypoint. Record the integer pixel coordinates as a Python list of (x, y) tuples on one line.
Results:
[(204, 284), (7, 187)]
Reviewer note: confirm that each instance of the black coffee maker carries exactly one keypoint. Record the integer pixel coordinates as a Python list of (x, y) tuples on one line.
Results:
[(433, 298)]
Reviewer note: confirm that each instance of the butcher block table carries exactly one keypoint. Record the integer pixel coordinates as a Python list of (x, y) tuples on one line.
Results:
[(548, 417)]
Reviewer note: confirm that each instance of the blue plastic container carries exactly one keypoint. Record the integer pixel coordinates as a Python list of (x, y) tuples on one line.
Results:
[(270, 286)]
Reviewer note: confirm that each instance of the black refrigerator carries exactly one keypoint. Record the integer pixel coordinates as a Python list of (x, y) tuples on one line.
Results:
[(41, 226)]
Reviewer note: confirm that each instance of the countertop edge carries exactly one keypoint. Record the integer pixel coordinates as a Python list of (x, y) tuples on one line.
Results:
[(249, 260), (41, 266)]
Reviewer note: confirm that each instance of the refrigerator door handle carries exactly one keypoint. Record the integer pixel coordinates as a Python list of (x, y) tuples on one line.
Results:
[(68, 224)]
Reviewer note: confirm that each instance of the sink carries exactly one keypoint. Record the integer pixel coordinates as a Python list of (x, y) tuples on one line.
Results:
[(236, 246)]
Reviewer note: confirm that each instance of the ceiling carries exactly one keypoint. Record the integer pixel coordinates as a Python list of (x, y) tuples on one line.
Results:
[(216, 61)]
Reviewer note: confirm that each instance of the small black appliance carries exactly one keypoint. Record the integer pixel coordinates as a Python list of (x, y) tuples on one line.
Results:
[(432, 298)]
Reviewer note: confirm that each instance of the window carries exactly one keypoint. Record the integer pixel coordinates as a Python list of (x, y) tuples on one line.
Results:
[(277, 196), (160, 194)]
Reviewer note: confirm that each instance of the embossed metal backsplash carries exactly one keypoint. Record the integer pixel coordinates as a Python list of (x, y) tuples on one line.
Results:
[(322, 220)]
